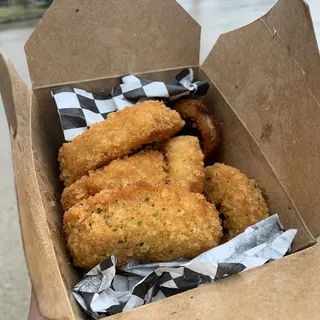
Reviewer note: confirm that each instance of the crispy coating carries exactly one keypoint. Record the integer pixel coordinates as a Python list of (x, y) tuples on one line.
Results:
[(148, 166), (240, 200), (185, 163), (158, 223), (201, 118), (122, 132)]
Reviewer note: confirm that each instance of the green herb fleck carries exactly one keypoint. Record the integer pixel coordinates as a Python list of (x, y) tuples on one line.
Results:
[(92, 211), (99, 210), (103, 254), (105, 217), (141, 244), (115, 229), (191, 230), (147, 199), (77, 10), (105, 153), (139, 223), (106, 222), (71, 225), (155, 214)]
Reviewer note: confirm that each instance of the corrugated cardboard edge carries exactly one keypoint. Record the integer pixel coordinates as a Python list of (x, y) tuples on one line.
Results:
[(288, 288), (120, 37), (286, 30), (48, 284)]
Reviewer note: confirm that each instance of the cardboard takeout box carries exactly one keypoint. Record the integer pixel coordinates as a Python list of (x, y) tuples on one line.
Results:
[(264, 88)]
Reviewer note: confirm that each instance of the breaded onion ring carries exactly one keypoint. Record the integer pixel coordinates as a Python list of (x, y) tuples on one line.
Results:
[(237, 198), (202, 120)]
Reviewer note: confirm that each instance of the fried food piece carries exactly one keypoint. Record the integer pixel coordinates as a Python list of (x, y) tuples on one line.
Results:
[(158, 223), (185, 163), (122, 132), (240, 200), (202, 120), (148, 166)]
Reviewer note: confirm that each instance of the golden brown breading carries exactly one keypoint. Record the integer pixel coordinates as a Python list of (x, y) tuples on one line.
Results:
[(185, 163), (157, 223), (240, 200), (203, 120), (148, 166), (122, 132)]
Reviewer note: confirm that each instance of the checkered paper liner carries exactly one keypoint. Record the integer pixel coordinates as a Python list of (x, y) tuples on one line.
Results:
[(106, 290), (79, 109)]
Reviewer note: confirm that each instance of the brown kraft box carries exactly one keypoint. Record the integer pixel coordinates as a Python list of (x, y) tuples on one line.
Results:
[(264, 89)]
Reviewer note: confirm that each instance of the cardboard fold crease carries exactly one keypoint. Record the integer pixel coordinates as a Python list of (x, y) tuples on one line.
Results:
[(264, 81)]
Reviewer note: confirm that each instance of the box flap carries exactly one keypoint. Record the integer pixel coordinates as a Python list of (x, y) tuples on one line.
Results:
[(43, 266), (288, 288), (81, 40), (268, 72)]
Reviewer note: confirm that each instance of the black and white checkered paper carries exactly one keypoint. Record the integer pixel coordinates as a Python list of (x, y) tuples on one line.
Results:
[(106, 290), (79, 109)]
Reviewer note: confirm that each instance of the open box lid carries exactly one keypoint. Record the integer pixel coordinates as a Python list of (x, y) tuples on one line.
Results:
[(269, 74), (82, 40)]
